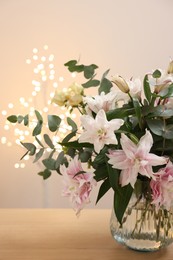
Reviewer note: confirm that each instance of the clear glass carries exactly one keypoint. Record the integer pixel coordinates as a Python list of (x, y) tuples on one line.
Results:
[(144, 228)]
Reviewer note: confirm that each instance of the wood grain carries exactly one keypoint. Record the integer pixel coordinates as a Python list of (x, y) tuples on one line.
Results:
[(49, 234)]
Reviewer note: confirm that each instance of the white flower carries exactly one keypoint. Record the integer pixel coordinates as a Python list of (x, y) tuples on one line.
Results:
[(99, 131), (104, 101), (135, 86), (157, 84)]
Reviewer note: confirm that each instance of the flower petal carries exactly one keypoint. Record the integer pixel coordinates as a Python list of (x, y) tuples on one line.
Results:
[(128, 146), (145, 144)]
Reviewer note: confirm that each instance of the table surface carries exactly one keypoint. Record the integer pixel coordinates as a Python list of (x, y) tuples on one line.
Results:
[(48, 234)]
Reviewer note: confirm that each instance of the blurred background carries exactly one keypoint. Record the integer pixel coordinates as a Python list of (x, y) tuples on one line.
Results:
[(129, 37)]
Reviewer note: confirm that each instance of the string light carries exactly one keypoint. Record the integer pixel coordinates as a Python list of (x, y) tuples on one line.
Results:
[(4, 112), (44, 78)]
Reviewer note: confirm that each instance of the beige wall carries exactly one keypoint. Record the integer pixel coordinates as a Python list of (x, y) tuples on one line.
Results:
[(129, 37)]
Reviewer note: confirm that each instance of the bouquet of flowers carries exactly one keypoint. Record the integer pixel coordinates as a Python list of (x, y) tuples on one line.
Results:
[(123, 140)]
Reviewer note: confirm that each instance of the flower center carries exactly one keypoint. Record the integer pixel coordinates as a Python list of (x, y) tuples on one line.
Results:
[(101, 133)]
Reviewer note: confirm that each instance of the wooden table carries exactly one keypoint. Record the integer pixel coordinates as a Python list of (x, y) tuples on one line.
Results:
[(49, 234)]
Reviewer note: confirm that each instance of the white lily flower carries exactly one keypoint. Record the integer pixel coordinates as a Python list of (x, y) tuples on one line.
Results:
[(99, 131)]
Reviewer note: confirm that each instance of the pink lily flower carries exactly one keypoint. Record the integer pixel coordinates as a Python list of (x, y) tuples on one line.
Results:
[(77, 186), (162, 187), (135, 159)]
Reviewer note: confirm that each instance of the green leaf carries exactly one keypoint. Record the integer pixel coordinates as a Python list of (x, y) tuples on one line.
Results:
[(20, 119), (45, 174), (39, 142), (30, 147), (101, 157), (53, 122), (72, 67), (105, 186), (91, 83), (168, 132), (147, 89), (12, 119), (48, 141), (72, 124), (71, 63), (156, 126), (159, 111), (105, 84), (26, 120), (76, 144), (52, 153), (85, 155), (121, 201), (138, 111), (59, 160), (101, 172), (113, 177), (89, 70), (71, 152), (68, 137), (39, 116), (37, 129), (49, 163), (122, 194), (120, 113), (157, 74), (38, 155), (24, 155)]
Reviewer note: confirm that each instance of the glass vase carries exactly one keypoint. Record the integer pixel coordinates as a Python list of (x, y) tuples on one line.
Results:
[(144, 228)]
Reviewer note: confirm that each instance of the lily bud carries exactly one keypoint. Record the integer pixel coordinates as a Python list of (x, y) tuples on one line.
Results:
[(121, 84), (170, 68)]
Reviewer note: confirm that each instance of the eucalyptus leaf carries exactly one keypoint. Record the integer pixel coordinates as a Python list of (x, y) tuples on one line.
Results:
[(30, 147), (38, 155), (72, 124), (26, 120), (20, 119), (45, 174), (12, 119), (89, 71), (105, 86), (156, 126), (91, 83), (53, 122), (168, 132), (60, 160), (39, 116), (37, 129), (73, 67), (157, 74), (52, 153), (39, 142), (68, 137), (48, 141), (49, 163)]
